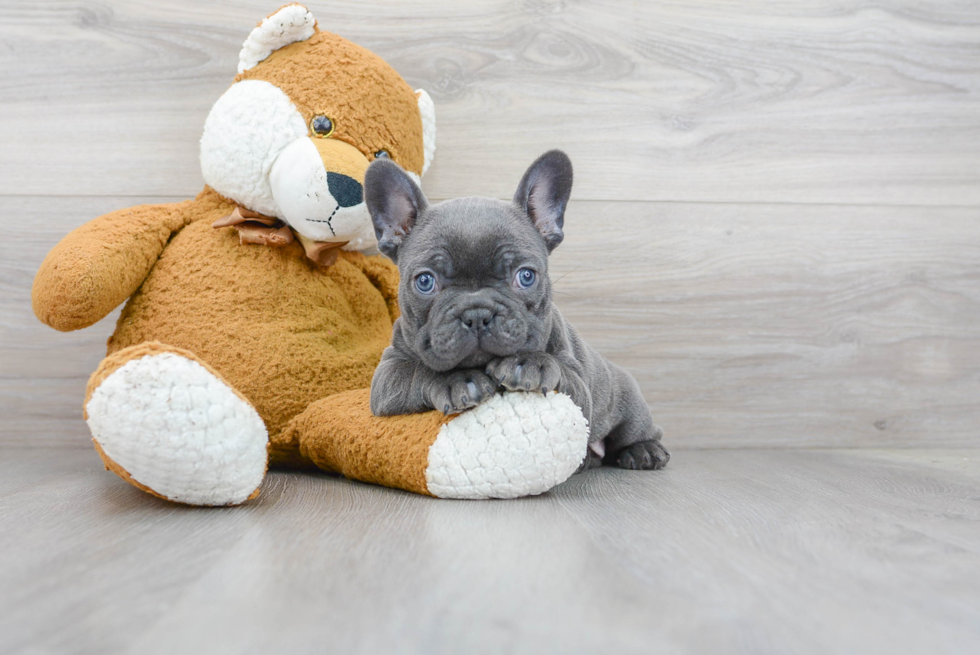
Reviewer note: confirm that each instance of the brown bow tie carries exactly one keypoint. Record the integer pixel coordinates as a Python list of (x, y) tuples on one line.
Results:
[(254, 227)]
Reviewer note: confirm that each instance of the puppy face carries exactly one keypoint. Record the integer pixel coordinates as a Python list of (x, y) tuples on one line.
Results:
[(474, 271)]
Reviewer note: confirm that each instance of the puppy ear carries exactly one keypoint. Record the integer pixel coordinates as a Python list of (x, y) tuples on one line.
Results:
[(543, 194), (394, 202)]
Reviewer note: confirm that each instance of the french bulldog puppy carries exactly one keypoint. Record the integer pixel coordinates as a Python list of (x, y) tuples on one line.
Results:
[(477, 314)]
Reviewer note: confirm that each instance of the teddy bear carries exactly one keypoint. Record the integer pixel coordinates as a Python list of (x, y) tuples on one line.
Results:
[(256, 313)]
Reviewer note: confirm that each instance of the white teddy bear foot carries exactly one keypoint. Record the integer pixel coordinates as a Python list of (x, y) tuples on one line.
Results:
[(176, 430), (515, 444)]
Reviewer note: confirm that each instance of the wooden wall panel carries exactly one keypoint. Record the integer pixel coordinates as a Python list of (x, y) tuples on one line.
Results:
[(776, 216), (747, 325), (754, 325), (846, 101)]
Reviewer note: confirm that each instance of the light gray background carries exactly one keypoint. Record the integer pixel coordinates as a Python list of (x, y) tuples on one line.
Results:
[(775, 226)]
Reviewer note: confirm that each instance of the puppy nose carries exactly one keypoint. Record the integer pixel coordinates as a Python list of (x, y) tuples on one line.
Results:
[(345, 190), (476, 318)]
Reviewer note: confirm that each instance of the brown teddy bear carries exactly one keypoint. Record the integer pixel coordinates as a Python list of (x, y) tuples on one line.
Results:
[(258, 311)]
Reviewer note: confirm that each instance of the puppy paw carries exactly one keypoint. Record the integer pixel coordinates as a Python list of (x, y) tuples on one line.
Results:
[(457, 391), (526, 372), (643, 456)]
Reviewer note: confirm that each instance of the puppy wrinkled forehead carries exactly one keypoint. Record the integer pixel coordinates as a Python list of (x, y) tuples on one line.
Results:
[(476, 236), (472, 215)]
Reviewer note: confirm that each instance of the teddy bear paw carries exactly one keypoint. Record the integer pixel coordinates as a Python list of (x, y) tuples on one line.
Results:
[(178, 431), (515, 444)]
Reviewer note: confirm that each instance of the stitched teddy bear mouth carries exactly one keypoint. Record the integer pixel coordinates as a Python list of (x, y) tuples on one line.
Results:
[(328, 219)]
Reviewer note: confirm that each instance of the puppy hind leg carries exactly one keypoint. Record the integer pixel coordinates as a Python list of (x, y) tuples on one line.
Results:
[(646, 455), (635, 442)]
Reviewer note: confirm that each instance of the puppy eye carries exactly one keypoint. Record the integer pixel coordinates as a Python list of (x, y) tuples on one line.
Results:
[(382, 154), (525, 278), (425, 283), (321, 126)]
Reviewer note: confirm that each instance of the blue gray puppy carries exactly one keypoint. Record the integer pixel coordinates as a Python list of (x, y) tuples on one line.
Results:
[(477, 314)]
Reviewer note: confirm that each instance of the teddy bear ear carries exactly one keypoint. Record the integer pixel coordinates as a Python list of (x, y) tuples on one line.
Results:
[(428, 113), (289, 24)]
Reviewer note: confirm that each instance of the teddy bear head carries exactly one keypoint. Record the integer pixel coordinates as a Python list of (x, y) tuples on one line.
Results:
[(308, 111)]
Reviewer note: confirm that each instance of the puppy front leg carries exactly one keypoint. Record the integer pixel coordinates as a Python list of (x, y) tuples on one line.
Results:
[(406, 386), (457, 391), (541, 372), (395, 388)]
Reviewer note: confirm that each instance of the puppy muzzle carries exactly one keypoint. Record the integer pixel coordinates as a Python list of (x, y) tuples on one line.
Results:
[(468, 329)]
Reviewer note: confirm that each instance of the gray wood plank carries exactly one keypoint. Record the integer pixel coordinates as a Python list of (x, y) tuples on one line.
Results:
[(792, 325), (850, 101), (752, 551), (43, 372), (746, 325)]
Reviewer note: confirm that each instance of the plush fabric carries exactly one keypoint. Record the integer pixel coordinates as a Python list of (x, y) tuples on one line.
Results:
[(244, 134), (234, 353), (170, 425), (371, 106), (280, 329), (289, 24), (100, 264), (392, 452)]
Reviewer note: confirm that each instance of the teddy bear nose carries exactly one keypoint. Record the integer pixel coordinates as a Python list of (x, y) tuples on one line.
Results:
[(345, 190)]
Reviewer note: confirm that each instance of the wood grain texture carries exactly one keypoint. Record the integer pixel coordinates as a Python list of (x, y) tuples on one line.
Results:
[(43, 372), (782, 324), (776, 228), (746, 325), (806, 551), (846, 101)]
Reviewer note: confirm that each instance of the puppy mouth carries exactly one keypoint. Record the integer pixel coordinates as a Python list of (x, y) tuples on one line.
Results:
[(451, 344), (472, 352), (476, 359), (469, 328)]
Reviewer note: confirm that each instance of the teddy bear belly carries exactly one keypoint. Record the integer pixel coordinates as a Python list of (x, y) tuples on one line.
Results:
[(281, 330)]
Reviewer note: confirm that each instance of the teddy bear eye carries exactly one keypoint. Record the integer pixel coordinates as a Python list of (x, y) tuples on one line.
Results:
[(321, 126), (382, 154)]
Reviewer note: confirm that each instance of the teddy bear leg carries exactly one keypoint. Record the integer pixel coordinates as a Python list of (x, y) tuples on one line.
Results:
[(515, 444), (168, 424)]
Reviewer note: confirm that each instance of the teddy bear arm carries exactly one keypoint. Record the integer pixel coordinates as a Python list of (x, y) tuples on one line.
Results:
[(101, 263)]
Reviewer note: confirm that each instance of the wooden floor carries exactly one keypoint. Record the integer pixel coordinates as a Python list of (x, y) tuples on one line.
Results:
[(775, 226), (725, 551)]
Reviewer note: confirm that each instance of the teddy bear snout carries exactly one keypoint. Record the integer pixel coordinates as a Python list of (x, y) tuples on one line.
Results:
[(317, 187)]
